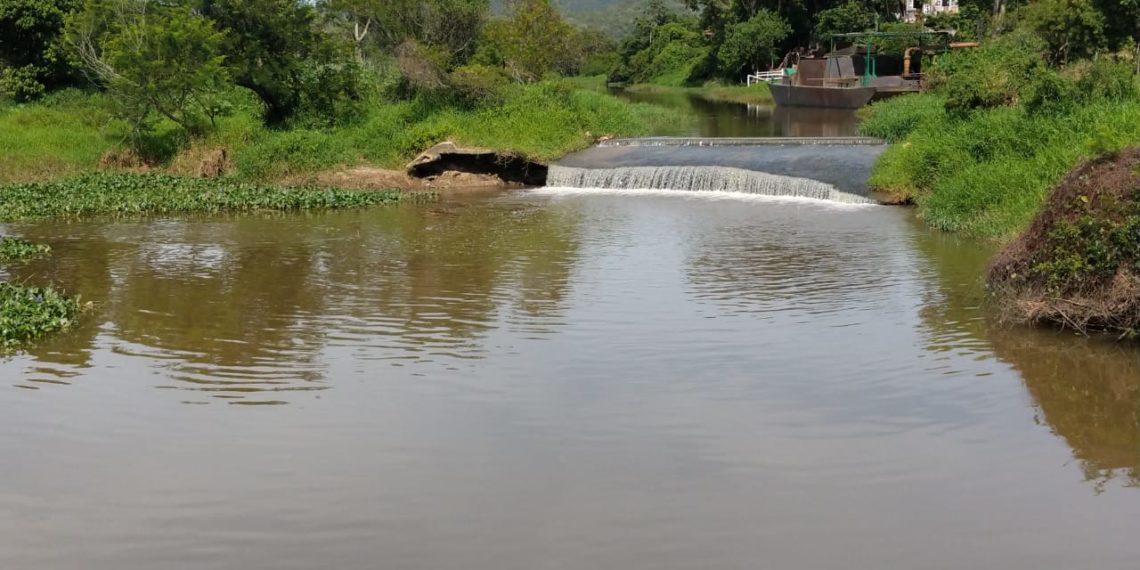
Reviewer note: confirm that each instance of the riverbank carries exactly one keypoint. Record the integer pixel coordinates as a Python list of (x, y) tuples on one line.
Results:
[(72, 132), (1030, 157)]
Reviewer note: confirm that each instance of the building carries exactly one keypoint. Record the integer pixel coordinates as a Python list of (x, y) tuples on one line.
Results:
[(914, 8)]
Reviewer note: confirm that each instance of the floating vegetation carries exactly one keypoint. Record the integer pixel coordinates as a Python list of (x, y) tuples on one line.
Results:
[(121, 194), (16, 249), (29, 313)]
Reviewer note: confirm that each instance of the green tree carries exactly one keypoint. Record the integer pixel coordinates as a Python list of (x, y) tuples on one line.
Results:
[(752, 43), (153, 59), (534, 40), (31, 56), (1071, 28), (272, 46), (851, 16)]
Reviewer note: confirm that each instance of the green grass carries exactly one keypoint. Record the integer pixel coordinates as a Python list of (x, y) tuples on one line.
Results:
[(988, 173), (30, 313), (747, 94), (137, 195), (64, 134), (16, 249), (69, 133)]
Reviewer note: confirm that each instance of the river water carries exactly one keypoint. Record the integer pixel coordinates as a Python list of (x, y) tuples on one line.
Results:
[(557, 379)]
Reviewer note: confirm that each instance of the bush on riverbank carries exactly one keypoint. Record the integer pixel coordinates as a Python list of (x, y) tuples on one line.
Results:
[(984, 164), (151, 194), (1078, 265)]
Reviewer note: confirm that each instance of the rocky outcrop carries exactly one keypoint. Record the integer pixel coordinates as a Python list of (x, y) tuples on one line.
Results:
[(446, 158)]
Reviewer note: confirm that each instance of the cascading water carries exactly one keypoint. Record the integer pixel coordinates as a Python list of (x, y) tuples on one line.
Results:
[(698, 179)]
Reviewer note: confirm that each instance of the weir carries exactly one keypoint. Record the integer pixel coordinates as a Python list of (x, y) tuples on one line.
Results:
[(699, 179), (824, 168)]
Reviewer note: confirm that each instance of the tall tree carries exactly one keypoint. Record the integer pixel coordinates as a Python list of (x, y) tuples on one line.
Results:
[(751, 44)]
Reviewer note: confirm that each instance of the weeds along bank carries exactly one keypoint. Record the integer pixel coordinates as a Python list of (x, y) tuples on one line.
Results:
[(981, 151), (73, 132), (1010, 148)]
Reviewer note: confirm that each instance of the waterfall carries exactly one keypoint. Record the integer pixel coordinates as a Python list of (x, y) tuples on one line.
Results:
[(699, 179)]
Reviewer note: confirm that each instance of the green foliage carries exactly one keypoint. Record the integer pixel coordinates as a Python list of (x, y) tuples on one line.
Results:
[(752, 43), (851, 16), (479, 84), (272, 47), (141, 195), (16, 249), (165, 62), (544, 121), (894, 119), (30, 313), (1088, 250), (665, 49), (1072, 29), (534, 40), (64, 133), (990, 76), (32, 59), (987, 173)]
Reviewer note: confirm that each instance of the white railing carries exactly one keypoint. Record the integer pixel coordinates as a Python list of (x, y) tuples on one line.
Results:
[(765, 76)]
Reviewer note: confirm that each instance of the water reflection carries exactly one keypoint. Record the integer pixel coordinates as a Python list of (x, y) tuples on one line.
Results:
[(244, 309), (1087, 390), (727, 119)]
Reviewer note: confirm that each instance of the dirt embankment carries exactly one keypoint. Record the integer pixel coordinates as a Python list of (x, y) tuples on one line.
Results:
[(1078, 265), (445, 166)]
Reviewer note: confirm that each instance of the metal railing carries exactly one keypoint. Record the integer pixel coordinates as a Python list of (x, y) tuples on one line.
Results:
[(765, 76)]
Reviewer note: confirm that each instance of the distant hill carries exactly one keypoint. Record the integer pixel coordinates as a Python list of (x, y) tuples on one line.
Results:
[(615, 17)]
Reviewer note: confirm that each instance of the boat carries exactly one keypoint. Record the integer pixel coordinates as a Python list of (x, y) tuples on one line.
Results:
[(829, 82), (848, 78)]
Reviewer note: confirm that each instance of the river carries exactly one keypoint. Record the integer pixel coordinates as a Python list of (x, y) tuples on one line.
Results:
[(557, 379)]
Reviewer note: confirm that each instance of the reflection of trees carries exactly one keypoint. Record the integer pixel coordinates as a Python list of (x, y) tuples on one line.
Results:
[(457, 266), (1088, 391), (79, 265), (245, 307)]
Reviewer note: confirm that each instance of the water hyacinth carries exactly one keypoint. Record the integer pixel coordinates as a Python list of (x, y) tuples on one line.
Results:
[(148, 194), (29, 313), (16, 249)]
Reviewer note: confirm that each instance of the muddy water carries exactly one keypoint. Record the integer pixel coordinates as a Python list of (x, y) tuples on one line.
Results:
[(556, 380), (728, 119)]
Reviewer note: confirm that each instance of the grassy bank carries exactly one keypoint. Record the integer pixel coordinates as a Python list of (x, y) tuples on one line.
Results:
[(71, 131), (746, 94), (119, 194), (987, 174)]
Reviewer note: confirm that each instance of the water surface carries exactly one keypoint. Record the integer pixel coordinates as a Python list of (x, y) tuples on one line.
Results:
[(729, 119), (556, 379)]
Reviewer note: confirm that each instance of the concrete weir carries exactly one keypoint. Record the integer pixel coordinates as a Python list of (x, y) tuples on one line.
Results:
[(829, 168)]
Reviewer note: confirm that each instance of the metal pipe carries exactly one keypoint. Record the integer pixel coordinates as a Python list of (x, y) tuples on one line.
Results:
[(906, 59)]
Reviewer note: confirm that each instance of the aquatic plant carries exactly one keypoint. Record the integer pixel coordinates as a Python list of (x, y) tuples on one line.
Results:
[(29, 313), (139, 195), (16, 249)]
